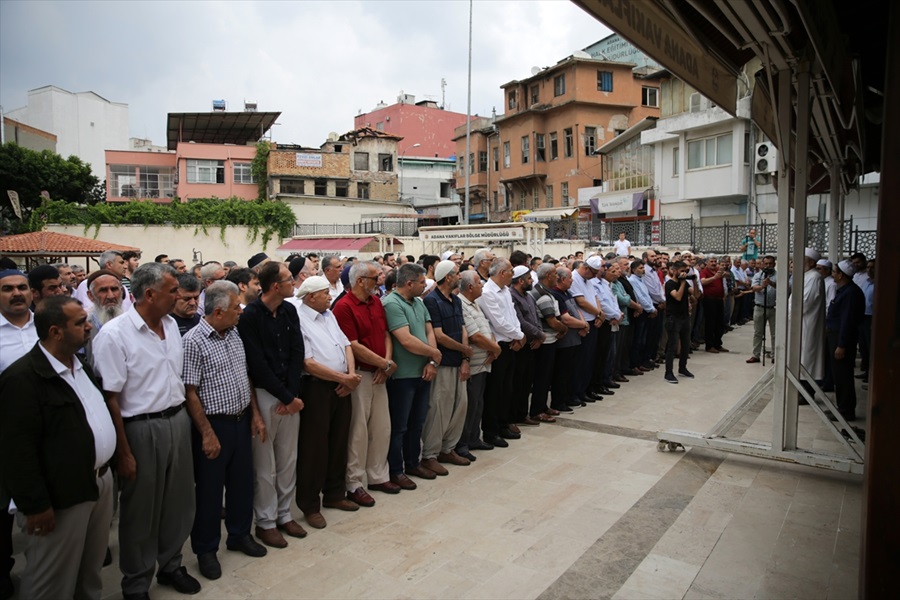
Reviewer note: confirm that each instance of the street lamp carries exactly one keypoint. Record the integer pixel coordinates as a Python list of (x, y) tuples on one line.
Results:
[(400, 166)]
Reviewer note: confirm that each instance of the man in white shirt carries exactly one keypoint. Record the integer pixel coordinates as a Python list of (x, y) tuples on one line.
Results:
[(331, 270), (17, 336), (325, 426), (57, 437), (622, 246), (497, 305), (139, 358), (588, 301), (823, 266)]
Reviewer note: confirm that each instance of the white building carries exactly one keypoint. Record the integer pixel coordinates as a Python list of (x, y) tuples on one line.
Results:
[(426, 186), (85, 124)]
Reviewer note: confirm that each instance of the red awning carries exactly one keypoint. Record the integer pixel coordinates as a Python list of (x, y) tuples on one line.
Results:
[(318, 244)]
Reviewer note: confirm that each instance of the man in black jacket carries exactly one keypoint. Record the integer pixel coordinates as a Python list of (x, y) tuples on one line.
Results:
[(56, 440)]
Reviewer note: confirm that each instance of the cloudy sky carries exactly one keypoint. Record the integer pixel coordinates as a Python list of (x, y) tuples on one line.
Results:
[(319, 63)]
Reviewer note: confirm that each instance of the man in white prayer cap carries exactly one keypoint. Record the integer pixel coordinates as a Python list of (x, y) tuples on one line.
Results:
[(812, 333)]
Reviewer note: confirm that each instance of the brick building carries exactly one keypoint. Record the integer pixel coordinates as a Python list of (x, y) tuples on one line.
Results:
[(541, 151)]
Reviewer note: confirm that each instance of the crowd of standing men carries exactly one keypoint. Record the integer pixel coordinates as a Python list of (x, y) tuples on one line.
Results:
[(317, 381)]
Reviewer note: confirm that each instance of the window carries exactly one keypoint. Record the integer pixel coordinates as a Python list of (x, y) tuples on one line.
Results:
[(342, 188), (123, 181), (526, 149), (360, 161), (710, 152), (471, 163), (338, 147), (549, 195), (535, 199), (496, 202), (746, 147), (567, 134), (540, 153), (535, 94), (650, 96), (242, 173), (321, 187), (362, 190), (554, 147), (496, 157), (564, 192), (676, 161), (385, 162), (511, 100), (158, 182), (205, 171), (604, 81), (559, 85), (590, 140), (523, 195), (291, 186), (695, 102), (482, 161), (379, 126), (628, 167), (505, 155), (445, 189)]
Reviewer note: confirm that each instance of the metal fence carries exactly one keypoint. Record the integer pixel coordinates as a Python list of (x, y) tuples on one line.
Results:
[(404, 228)]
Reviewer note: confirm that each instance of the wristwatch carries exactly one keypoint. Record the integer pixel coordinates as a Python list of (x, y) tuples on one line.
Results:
[(389, 365), (432, 363)]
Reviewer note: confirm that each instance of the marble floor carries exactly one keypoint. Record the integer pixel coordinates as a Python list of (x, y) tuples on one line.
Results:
[(588, 508)]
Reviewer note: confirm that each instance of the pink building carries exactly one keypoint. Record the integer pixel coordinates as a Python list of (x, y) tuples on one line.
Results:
[(422, 123), (209, 156)]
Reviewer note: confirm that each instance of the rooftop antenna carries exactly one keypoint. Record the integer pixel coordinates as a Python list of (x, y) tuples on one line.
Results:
[(443, 92)]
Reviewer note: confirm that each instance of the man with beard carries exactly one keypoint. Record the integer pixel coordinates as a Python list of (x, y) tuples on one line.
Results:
[(113, 261), (132, 261), (448, 401), (105, 292), (247, 282), (187, 303), (67, 277), (44, 282)]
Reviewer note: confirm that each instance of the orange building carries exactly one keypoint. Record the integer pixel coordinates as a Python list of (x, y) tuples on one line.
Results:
[(539, 153)]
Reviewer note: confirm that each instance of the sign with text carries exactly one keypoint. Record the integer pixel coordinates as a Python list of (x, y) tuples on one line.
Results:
[(649, 28), (309, 160), (463, 235), (14, 200)]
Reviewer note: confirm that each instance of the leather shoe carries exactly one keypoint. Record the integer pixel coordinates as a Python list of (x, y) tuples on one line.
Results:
[(420, 472), (453, 458), (245, 544), (434, 466), (612, 385), (316, 520), (620, 379), (467, 455), (498, 442), (561, 409), (530, 421), (586, 399), (753, 359), (180, 580), (403, 482), (361, 497), (575, 403), (480, 445), (712, 350), (209, 565), (509, 434), (546, 418), (512, 427), (292, 528), (594, 396), (552, 412), (388, 487), (606, 392), (632, 372), (721, 349), (342, 504), (271, 537)]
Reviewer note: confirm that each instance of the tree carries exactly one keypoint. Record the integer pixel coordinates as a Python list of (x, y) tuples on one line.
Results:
[(29, 172)]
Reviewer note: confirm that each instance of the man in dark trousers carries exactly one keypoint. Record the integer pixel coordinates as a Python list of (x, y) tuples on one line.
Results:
[(56, 439), (223, 408), (678, 321), (842, 334)]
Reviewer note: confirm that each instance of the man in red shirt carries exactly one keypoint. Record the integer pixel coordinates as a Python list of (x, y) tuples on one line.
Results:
[(361, 317), (713, 304)]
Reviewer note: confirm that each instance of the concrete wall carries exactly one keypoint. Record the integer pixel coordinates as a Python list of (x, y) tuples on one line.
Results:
[(347, 211), (28, 137), (177, 243)]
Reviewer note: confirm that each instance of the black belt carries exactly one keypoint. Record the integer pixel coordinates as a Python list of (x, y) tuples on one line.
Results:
[(101, 471), (504, 344), (226, 417), (163, 414)]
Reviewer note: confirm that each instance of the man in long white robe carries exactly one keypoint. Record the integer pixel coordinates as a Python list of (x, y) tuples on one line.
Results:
[(812, 336)]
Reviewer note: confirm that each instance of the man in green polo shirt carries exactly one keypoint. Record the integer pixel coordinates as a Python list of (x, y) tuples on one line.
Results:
[(417, 357)]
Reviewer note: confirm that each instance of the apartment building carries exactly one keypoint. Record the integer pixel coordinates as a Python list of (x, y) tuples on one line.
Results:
[(349, 178), (541, 151)]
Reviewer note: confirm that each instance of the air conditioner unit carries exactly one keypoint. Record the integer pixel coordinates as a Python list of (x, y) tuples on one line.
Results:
[(766, 159)]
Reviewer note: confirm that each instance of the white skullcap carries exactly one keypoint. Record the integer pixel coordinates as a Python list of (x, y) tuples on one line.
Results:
[(443, 268), (811, 254), (823, 263), (446, 255), (519, 271), (316, 283), (846, 267)]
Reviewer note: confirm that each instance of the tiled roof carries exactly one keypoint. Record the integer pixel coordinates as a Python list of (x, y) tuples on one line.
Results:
[(49, 243)]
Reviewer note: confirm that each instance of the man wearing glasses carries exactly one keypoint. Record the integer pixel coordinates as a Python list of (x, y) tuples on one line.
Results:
[(186, 303)]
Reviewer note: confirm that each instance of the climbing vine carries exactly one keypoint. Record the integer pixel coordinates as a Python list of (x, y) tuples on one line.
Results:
[(259, 168), (264, 219)]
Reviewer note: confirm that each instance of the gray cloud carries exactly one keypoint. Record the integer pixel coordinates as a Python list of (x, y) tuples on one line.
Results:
[(319, 63)]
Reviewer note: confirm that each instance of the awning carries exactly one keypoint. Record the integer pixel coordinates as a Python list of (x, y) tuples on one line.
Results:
[(239, 128), (616, 202), (547, 214), (349, 246), (50, 243)]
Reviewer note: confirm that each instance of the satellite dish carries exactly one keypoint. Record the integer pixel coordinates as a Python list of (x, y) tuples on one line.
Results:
[(581, 54), (535, 70), (333, 136)]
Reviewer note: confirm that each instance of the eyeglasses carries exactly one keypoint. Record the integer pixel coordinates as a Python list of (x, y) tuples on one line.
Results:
[(288, 280), (373, 278)]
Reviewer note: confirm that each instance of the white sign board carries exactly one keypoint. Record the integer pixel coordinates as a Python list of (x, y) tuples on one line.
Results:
[(615, 202), (308, 160), (463, 235)]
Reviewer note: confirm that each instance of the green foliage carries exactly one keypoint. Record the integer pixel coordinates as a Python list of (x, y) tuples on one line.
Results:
[(265, 219), (29, 172), (259, 168)]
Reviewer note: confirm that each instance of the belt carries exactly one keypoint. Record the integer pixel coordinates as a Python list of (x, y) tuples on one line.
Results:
[(163, 414), (504, 344), (226, 417), (101, 471), (765, 306), (366, 368)]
